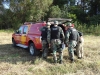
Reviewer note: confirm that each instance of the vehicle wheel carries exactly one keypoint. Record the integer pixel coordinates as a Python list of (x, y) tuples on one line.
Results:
[(13, 43), (32, 49)]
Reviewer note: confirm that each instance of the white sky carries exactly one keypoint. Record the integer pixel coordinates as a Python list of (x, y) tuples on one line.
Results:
[(6, 4), (79, 1)]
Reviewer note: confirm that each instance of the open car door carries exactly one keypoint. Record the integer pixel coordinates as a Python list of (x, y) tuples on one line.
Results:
[(61, 22)]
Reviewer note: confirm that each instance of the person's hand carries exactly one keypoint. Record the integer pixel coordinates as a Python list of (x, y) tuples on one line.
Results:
[(66, 45), (80, 41)]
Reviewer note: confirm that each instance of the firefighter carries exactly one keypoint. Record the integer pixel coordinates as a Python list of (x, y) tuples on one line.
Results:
[(56, 33), (71, 39), (45, 34)]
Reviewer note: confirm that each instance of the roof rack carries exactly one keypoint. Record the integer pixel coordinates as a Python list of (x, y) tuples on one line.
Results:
[(26, 23), (59, 19)]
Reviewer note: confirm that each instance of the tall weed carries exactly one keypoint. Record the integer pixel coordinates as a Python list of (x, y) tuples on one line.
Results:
[(88, 29)]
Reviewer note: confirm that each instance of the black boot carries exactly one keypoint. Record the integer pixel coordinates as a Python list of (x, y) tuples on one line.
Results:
[(44, 58), (55, 61), (79, 57), (72, 60), (60, 62)]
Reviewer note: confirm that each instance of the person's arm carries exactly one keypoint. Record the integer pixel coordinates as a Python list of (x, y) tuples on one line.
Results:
[(80, 33), (67, 34), (62, 34), (40, 29), (48, 35)]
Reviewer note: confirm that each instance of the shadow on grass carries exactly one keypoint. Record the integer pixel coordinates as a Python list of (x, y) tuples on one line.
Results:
[(13, 55)]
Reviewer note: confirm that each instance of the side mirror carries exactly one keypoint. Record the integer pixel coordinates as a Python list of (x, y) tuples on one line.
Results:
[(17, 31)]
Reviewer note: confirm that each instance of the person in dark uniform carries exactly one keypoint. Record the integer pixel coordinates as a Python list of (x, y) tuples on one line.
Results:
[(56, 33), (71, 39), (45, 34)]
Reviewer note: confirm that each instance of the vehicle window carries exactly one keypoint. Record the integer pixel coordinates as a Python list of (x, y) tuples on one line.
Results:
[(25, 29), (21, 30)]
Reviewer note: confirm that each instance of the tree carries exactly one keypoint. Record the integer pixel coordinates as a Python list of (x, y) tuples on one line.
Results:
[(33, 10), (55, 12), (21, 11), (95, 7), (40, 9)]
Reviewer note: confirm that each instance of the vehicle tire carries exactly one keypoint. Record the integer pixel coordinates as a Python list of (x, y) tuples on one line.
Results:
[(32, 49), (13, 43)]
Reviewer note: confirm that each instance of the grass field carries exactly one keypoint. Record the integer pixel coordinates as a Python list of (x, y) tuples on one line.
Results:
[(18, 61)]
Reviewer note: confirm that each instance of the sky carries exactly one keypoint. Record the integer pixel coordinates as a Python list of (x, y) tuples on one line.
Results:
[(6, 4), (79, 1)]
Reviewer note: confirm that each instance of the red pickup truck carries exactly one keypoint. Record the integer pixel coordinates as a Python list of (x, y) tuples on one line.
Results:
[(29, 36)]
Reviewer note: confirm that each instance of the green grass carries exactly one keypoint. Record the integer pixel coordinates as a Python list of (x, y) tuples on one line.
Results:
[(18, 61), (7, 30)]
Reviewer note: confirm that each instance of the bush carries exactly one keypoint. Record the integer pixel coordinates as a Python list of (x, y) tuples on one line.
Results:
[(55, 12), (88, 29), (95, 19)]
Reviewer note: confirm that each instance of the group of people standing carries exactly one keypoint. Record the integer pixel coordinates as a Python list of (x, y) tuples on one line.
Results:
[(54, 37)]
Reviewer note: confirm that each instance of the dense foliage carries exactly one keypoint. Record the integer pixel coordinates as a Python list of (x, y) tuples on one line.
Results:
[(86, 12)]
